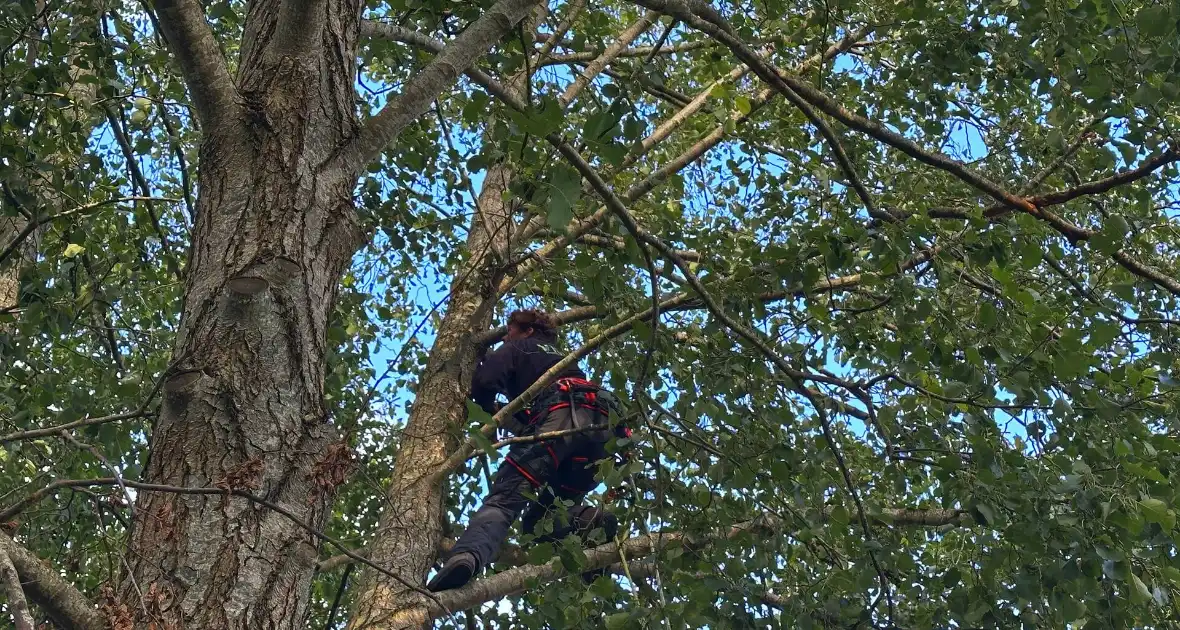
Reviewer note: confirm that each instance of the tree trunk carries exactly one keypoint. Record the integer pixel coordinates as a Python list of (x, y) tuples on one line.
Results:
[(407, 539), (244, 407)]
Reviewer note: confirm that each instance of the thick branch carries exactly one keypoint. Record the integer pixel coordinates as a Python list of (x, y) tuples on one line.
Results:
[(1056, 198), (17, 605), (610, 54), (514, 581), (619, 244), (686, 301), (1097, 187), (438, 75), (85, 422), (666, 128), (638, 51), (563, 27), (205, 72), (1077, 234), (65, 605), (299, 26), (513, 556)]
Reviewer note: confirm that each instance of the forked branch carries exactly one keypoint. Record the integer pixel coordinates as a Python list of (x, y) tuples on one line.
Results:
[(440, 74)]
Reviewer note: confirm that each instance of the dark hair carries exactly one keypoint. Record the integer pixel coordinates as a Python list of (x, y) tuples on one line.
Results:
[(539, 321)]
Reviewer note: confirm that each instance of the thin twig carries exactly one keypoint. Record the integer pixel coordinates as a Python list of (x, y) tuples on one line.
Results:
[(328, 625), (541, 437), (49, 218), (86, 422), (105, 462)]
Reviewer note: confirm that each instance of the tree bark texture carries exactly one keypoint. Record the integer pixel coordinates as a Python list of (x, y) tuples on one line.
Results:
[(244, 408)]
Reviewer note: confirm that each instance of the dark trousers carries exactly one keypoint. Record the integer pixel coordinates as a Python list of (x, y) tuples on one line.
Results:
[(559, 468)]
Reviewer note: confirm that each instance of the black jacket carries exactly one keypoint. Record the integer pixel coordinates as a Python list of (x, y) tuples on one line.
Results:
[(513, 367)]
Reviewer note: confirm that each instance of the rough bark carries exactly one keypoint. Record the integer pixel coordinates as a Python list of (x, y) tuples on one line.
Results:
[(244, 408), (515, 580)]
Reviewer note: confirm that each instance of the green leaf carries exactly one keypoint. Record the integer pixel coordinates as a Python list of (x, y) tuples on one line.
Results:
[(839, 516), (1106, 242), (1117, 226), (743, 105), (1103, 333), (600, 126), (617, 621), (572, 558), (1156, 511), (540, 120), (1073, 609), (987, 314), (1141, 590), (1154, 21), (1147, 472), (540, 553), (475, 412), (73, 249), (484, 444), (987, 512), (565, 190)]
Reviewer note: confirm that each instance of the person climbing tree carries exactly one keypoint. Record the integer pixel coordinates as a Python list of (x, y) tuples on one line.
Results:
[(559, 468)]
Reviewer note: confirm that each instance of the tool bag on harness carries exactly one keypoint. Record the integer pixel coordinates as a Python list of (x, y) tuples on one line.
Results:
[(579, 394)]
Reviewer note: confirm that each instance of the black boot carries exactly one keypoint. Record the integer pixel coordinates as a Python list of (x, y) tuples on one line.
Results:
[(456, 571)]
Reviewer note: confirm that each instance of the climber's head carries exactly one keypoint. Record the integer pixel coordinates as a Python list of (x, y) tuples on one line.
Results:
[(528, 322)]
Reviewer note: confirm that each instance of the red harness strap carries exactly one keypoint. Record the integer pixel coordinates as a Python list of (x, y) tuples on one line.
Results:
[(563, 384), (532, 480)]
